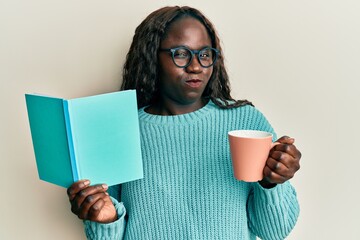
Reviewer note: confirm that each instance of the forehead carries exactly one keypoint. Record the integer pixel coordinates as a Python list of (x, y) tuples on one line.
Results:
[(186, 31)]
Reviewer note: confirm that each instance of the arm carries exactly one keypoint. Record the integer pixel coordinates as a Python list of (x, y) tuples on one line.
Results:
[(104, 216), (111, 231), (272, 213), (273, 207)]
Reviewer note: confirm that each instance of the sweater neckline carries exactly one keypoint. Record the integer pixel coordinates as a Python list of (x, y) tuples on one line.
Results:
[(177, 119)]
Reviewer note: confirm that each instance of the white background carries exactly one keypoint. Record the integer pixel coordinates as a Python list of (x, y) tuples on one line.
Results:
[(297, 61)]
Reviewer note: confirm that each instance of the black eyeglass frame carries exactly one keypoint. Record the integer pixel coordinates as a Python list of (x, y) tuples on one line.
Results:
[(193, 52)]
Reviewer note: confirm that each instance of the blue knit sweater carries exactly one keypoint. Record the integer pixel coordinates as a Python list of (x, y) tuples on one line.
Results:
[(188, 190)]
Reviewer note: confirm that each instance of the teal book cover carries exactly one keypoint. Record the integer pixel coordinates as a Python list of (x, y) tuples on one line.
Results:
[(95, 138)]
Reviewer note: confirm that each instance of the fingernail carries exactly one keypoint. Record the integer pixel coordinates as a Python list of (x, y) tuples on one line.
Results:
[(86, 182), (104, 186), (289, 138), (106, 193)]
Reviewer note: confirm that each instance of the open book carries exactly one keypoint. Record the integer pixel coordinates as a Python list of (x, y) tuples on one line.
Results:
[(95, 138)]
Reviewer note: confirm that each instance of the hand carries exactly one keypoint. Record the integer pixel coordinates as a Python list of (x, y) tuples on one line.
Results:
[(282, 164), (91, 202)]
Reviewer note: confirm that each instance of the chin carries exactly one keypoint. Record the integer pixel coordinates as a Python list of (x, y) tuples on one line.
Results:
[(192, 98)]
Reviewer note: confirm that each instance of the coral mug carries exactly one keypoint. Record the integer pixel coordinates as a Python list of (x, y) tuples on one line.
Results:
[(249, 151)]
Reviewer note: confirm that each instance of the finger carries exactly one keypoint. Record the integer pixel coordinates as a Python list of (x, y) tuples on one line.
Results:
[(272, 176), (88, 203), (84, 193), (282, 157), (289, 149), (76, 187), (95, 209), (281, 169), (286, 140), (278, 167), (291, 164)]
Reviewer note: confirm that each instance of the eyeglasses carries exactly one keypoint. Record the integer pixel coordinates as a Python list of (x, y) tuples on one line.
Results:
[(183, 56)]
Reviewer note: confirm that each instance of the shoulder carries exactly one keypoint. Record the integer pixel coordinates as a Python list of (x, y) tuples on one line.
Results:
[(229, 106), (234, 105), (248, 110), (245, 112), (246, 117)]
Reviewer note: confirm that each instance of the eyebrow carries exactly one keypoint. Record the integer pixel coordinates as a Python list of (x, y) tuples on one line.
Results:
[(176, 46)]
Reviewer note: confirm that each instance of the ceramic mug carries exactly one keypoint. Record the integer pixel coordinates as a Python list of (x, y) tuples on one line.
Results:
[(249, 151)]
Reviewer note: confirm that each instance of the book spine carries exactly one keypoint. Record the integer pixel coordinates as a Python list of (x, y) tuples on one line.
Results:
[(74, 165)]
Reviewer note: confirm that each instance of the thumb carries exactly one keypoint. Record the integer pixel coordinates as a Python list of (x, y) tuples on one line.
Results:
[(286, 140)]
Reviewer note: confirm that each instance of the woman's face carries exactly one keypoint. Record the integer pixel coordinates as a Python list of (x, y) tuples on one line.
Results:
[(184, 86)]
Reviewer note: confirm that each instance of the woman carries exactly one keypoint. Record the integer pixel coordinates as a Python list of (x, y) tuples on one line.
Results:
[(176, 65)]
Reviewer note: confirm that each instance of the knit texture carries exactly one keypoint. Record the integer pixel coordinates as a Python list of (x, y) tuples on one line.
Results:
[(188, 190)]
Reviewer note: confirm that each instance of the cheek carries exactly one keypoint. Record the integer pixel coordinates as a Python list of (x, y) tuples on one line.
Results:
[(170, 78), (166, 68), (169, 72), (209, 72)]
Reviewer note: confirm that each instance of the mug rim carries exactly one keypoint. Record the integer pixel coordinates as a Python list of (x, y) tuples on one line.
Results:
[(259, 134)]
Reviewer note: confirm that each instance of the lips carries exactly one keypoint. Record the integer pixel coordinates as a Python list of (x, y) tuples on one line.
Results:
[(194, 83)]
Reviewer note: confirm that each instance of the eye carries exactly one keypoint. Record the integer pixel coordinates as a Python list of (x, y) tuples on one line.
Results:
[(206, 53), (182, 53)]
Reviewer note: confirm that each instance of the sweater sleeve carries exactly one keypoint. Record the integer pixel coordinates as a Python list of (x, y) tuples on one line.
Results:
[(109, 231), (272, 213)]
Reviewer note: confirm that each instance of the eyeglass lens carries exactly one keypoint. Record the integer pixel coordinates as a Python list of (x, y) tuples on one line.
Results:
[(183, 56)]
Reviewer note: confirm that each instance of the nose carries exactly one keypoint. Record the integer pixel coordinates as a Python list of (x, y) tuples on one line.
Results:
[(194, 66)]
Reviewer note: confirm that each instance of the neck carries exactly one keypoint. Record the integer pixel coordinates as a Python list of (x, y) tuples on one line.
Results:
[(171, 108)]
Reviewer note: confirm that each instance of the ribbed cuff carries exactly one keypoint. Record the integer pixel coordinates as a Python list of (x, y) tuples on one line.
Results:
[(274, 211), (107, 231), (272, 196)]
